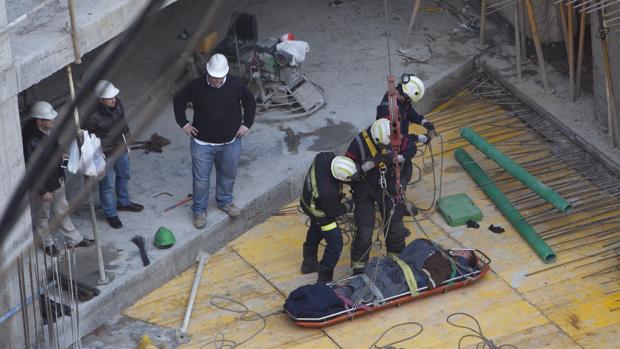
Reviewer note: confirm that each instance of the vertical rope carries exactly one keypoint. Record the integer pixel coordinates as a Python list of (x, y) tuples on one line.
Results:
[(387, 36)]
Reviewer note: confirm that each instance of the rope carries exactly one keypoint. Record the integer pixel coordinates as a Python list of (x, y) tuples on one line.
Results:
[(391, 345), (220, 341), (486, 343), (387, 37)]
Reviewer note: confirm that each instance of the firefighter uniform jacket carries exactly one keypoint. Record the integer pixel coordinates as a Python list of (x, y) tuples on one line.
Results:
[(322, 192)]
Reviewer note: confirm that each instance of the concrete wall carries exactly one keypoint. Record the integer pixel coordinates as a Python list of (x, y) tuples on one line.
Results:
[(600, 97), (12, 167)]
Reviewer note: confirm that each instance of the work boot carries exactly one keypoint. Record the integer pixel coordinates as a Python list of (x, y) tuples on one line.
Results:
[(84, 243), (325, 275), (358, 268), (200, 220), (232, 210), (115, 222), (309, 266), (132, 207)]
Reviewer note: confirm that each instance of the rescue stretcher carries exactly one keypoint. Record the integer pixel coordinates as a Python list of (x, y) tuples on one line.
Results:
[(379, 304)]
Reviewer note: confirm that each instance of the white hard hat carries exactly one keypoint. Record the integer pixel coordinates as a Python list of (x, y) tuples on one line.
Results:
[(217, 66), (105, 89), (380, 131), (343, 168), (42, 110), (413, 87)]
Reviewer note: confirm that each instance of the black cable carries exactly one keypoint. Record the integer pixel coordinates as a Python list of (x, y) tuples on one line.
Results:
[(391, 345), (486, 343)]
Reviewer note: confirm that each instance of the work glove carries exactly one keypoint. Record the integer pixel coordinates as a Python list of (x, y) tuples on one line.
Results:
[(424, 139), (400, 159), (368, 165), (349, 204), (428, 125)]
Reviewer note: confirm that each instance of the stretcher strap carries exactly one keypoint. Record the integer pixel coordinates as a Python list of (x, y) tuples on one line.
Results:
[(409, 277), (371, 285)]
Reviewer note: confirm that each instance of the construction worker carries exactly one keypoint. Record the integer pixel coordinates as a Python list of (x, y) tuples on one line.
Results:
[(109, 124), (409, 90), (50, 199), (217, 127), (377, 185), (321, 200)]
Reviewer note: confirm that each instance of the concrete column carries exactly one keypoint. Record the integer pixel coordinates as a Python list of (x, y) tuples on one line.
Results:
[(600, 98), (12, 168)]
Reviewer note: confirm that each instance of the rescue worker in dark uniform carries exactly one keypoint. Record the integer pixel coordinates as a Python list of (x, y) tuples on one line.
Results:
[(410, 90), (370, 151), (321, 200)]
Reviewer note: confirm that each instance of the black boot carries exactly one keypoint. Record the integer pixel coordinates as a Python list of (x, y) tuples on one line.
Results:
[(310, 263), (309, 266), (325, 275)]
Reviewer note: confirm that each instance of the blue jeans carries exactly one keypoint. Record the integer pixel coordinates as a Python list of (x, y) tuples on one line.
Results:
[(116, 177), (226, 160)]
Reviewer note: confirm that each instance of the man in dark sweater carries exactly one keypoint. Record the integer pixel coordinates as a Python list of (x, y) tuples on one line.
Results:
[(321, 201), (50, 199), (216, 129), (109, 124)]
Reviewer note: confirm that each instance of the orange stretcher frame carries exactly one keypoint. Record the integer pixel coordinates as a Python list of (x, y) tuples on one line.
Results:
[(461, 281)]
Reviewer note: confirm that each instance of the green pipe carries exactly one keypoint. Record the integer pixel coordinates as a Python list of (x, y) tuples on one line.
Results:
[(516, 170), (505, 206)]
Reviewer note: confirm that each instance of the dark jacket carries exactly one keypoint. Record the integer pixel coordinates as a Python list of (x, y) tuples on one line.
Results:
[(359, 152), (109, 124), (407, 113), (217, 111), (328, 188), (32, 137)]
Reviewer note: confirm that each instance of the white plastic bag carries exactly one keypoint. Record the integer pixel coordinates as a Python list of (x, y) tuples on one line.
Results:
[(93, 159), (74, 158), (296, 48)]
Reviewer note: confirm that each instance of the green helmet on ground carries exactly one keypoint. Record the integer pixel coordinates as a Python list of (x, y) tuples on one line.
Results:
[(164, 238)]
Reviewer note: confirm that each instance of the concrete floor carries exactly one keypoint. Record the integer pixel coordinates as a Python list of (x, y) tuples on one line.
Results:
[(522, 301), (347, 58)]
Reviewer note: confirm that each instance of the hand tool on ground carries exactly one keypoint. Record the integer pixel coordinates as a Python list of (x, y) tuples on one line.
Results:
[(179, 203), (84, 292), (156, 143), (139, 241), (182, 335)]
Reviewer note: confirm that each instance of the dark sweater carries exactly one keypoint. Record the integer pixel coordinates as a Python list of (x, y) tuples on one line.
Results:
[(32, 138), (407, 113), (217, 111)]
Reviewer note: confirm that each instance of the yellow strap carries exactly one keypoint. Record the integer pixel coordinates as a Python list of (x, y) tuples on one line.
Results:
[(330, 226), (372, 148), (409, 277)]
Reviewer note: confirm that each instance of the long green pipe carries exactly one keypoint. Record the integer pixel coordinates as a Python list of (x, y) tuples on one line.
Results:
[(505, 206), (516, 170)]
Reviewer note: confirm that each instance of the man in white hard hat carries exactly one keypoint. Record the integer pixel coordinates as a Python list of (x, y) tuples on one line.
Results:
[(371, 151), (50, 199), (321, 200), (216, 129), (107, 121)]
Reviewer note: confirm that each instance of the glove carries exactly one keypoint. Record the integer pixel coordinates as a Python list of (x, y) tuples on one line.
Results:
[(423, 138), (349, 204), (368, 165), (400, 159), (428, 125)]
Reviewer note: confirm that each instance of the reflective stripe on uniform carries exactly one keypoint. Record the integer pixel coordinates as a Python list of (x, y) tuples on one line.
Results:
[(330, 226), (372, 148), (315, 195)]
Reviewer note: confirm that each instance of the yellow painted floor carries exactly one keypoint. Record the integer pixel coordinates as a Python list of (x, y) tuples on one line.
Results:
[(522, 302)]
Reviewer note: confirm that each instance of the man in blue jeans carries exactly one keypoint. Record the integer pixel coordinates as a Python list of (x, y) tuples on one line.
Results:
[(109, 124), (216, 129)]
